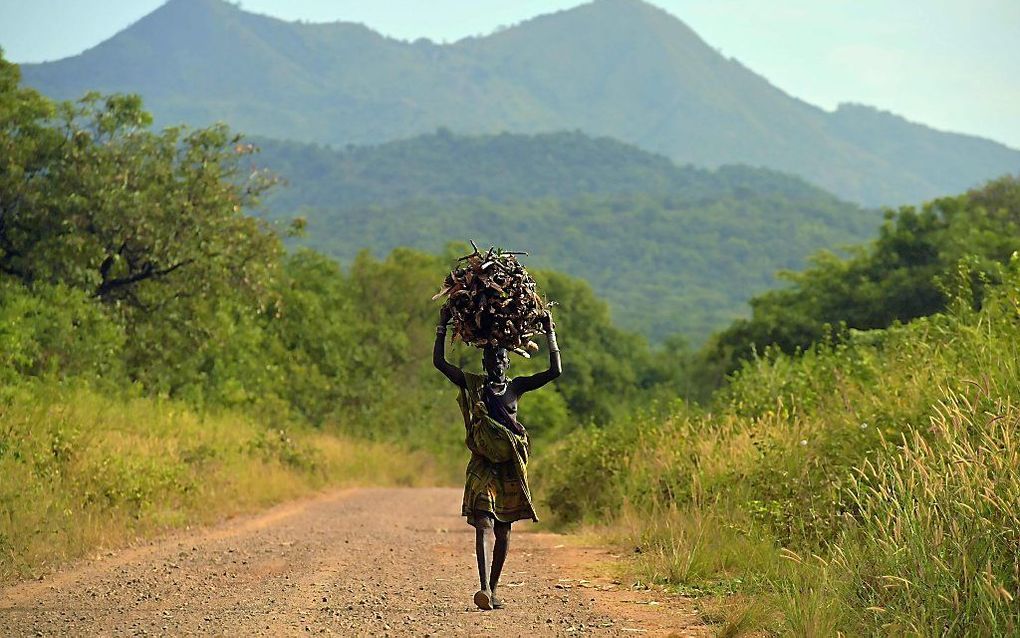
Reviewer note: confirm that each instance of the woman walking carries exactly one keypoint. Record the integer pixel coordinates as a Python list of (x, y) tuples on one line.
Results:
[(496, 492)]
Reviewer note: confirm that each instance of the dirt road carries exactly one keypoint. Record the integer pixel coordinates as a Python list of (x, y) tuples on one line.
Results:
[(380, 562)]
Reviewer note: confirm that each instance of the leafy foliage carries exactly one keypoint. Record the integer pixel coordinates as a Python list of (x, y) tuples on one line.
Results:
[(98, 202), (861, 487), (902, 275), (56, 331)]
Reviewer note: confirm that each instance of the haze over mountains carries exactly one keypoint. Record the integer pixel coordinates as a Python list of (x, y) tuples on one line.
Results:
[(620, 68)]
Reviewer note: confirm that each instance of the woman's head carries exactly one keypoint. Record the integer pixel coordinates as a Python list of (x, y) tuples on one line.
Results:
[(496, 361)]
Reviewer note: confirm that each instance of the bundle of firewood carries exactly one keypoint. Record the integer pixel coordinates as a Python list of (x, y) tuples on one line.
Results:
[(493, 300)]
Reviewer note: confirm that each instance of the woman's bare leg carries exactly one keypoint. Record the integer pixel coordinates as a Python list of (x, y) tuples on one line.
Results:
[(500, 549), (485, 541)]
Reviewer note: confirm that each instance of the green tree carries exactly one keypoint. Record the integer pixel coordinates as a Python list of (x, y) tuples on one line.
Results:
[(92, 198), (900, 276)]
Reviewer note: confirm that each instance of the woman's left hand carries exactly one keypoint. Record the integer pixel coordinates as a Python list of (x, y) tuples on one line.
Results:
[(547, 321)]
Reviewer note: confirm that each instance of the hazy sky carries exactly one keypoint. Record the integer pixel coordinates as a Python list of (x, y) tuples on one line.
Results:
[(951, 64)]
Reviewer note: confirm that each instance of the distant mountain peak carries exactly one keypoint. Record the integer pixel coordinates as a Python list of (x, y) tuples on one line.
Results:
[(633, 8), (626, 69), (198, 7), (639, 5), (619, 9), (223, 5), (174, 15)]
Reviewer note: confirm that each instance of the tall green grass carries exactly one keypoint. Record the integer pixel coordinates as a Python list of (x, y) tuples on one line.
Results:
[(865, 488), (81, 471), (936, 544)]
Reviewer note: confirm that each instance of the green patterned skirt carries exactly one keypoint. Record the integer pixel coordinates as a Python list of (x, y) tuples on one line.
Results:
[(497, 474)]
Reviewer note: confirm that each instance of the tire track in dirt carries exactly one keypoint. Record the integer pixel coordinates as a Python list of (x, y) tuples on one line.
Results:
[(380, 562)]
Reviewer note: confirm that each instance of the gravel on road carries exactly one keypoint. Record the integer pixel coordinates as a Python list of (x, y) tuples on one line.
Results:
[(359, 562)]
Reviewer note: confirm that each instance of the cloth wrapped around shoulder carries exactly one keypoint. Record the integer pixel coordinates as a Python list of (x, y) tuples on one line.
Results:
[(497, 476)]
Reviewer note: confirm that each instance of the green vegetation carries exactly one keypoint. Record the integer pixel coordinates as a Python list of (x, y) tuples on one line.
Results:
[(866, 485), (164, 357), (155, 371), (618, 68), (867, 488), (656, 240), (902, 275), (160, 349)]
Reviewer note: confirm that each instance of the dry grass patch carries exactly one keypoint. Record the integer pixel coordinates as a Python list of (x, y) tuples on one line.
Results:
[(81, 471)]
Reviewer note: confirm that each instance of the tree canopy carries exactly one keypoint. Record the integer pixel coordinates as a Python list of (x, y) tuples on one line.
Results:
[(91, 198), (909, 271)]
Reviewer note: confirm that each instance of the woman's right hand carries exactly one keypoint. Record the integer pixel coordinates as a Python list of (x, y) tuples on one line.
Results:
[(547, 322)]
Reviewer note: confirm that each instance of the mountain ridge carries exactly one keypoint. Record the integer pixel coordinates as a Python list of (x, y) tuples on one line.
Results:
[(505, 167), (619, 68), (671, 248)]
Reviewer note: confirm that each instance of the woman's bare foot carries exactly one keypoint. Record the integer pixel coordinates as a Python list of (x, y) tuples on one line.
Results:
[(495, 601), (483, 599)]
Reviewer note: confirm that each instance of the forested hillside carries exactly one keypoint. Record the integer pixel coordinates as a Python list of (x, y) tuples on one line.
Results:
[(146, 237), (502, 168), (621, 68), (673, 249)]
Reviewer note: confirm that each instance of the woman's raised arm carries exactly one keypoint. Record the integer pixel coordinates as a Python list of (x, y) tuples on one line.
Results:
[(452, 372), (536, 381)]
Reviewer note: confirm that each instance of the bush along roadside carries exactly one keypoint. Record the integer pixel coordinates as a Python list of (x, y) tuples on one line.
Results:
[(868, 487)]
